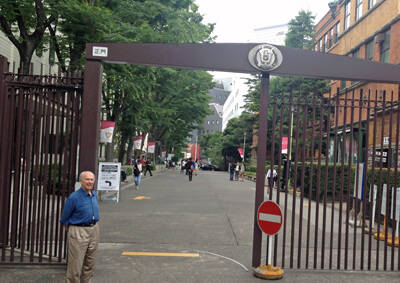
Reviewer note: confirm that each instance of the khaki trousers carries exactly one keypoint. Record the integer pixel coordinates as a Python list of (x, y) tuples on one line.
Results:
[(82, 247)]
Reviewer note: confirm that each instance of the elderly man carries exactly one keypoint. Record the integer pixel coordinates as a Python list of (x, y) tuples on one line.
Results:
[(80, 217)]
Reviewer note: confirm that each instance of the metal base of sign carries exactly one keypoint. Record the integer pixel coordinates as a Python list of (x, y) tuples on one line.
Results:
[(112, 197), (268, 272)]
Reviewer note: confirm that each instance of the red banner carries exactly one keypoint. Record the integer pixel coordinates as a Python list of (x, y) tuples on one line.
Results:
[(240, 152), (137, 142), (151, 147), (285, 145), (106, 131)]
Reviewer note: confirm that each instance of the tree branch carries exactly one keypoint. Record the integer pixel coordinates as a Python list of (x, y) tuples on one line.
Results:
[(7, 30)]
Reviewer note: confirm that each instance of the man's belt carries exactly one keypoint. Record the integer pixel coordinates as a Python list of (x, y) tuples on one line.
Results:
[(85, 224)]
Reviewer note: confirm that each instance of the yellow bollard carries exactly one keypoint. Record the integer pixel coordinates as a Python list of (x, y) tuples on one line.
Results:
[(382, 234), (268, 272), (390, 241)]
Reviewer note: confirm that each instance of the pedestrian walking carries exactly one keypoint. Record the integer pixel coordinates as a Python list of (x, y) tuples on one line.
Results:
[(183, 163), (189, 168), (231, 169), (242, 170), (137, 172), (237, 169), (148, 167), (80, 217), (272, 178)]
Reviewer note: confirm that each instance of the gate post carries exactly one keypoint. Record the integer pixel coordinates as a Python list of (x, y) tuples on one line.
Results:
[(3, 145), (90, 123), (261, 157)]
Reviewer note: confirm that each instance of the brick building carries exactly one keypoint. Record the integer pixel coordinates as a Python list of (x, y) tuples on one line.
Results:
[(368, 30)]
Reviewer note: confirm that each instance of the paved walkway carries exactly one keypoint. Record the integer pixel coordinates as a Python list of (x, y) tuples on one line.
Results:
[(208, 223)]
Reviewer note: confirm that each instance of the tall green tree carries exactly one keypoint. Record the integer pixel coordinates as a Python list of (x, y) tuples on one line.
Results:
[(24, 22), (301, 31)]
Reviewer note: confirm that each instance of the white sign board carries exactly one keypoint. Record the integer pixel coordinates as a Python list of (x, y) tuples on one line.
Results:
[(397, 204), (359, 175), (100, 51), (109, 176), (384, 193)]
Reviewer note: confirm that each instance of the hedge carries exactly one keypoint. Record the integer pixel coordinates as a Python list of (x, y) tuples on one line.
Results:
[(381, 177)]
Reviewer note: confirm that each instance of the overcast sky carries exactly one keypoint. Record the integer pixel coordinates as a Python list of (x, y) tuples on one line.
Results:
[(236, 19)]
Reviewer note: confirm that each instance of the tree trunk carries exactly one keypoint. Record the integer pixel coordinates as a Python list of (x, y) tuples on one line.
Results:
[(25, 55), (110, 152), (122, 151), (129, 151)]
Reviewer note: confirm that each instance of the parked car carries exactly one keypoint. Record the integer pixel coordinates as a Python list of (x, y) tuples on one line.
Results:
[(209, 167)]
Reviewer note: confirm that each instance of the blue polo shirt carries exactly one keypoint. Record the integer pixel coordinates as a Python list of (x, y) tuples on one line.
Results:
[(80, 208)]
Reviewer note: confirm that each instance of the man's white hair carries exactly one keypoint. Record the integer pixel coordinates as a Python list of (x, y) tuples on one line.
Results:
[(83, 173)]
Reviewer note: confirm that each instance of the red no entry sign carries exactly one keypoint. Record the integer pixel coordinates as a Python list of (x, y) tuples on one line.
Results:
[(269, 217)]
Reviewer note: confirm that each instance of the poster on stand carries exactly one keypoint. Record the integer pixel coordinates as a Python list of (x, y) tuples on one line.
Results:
[(109, 176)]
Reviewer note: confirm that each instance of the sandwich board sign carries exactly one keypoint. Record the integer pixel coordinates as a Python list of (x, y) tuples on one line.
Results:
[(109, 177)]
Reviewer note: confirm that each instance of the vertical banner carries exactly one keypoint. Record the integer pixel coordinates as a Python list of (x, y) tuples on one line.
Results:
[(240, 152), (151, 146), (163, 153), (137, 142), (285, 145), (106, 131)]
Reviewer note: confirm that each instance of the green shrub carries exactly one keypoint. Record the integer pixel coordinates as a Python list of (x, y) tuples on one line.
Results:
[(129, 171)]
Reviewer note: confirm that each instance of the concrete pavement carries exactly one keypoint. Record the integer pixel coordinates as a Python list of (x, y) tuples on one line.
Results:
[(211, 217)]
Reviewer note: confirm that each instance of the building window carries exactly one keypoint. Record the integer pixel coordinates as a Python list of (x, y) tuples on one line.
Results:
[(356, 54), (326, 42), (342, 84), (331, 39), (359, 4), (371, 3), (385, 48), (369, 51), (347, 13), (337, 30)]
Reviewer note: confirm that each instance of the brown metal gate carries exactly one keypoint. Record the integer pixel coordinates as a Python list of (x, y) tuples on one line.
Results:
[(338, 189), (39, 122)]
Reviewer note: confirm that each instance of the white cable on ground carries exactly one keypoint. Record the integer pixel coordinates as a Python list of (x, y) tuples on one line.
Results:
[(244, 267)]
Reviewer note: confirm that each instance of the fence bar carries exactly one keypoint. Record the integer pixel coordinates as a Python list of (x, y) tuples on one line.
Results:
[(388, 186), (335, 157), (279, 183), (270, 181), (294, 189), (344, 131), (311, 180), (349, 172), (303, 156), (389, 181), (287, 172), (396, 165)]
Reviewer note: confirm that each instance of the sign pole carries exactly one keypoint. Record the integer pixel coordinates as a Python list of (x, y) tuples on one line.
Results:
[(269, 250), (269, 220)]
